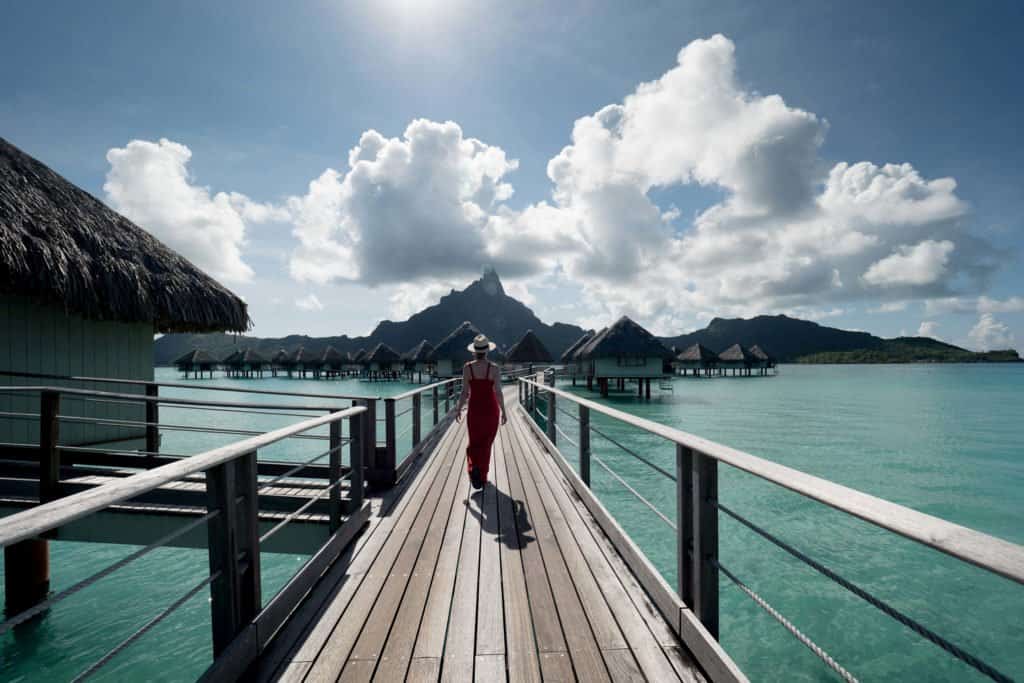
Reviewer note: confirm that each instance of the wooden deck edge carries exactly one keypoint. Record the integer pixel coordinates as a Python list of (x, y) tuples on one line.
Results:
[(708, 653)]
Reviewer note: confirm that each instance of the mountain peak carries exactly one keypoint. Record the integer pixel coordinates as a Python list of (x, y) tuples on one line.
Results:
[(489, 282)]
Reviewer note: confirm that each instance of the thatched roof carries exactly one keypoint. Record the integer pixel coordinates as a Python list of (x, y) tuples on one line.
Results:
[(529, 349), (245, 357), (304, 357), (624, 338), (281, 358), (382, 353), (332, 356), (581, 351), (359, 356), (757, 352), (61, 246), (698, 353), (567, 355), (736, 354), (453, 347), (419, 353), (196, 357)]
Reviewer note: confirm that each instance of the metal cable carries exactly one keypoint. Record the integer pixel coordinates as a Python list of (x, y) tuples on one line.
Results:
[(178, 428), (810, 644), (20, 416), (148, 626), (886, 608), (633, 491), (566, 412), (402, 433), (407, 410), (254, 411), (636, 455), (22, 617), (566, 436), (302, 509), (301, 466)]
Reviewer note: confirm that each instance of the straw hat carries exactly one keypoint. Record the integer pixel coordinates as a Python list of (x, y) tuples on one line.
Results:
[(481, 344)]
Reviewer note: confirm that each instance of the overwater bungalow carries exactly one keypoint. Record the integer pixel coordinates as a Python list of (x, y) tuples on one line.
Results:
[(245, 363), (82, 292), (383, 363), (736, 358), (333, 363), (357, 361), (574, 366), (528, 352), (197, 363), (764, 360), (303, 361), (417, 360), (624, 351), (696, 360), (280, 361), (451, 353)]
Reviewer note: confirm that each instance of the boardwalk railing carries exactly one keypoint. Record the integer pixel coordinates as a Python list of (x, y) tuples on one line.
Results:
[(695, 473), (403, 423), (242, 624)]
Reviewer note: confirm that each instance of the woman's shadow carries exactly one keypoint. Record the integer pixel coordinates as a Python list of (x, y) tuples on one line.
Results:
[(516, 532)]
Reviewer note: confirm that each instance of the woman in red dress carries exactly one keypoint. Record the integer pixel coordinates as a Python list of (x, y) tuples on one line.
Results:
[(481, 385)]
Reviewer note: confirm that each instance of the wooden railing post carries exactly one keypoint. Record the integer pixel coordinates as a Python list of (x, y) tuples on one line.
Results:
[(390, 447), (358, 429), (585, 444), (447, 397), (434, 392), (551, 418), (49, 453), (684, 523), (152, 420), (705, 541), (334, 474), (233, 544), (416, 414)]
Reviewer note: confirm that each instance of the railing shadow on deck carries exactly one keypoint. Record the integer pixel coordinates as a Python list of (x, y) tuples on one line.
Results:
[(693, 608)]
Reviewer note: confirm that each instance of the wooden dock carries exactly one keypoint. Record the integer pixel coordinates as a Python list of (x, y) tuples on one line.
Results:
[(517, 582)]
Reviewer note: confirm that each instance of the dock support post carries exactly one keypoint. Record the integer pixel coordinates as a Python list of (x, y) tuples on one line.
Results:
[(704, 573), (647, 388), (551, 418), (49, 454), (334, 474), (585, 444), (415, 420), (434, 392), (152, 420), (233, 538)]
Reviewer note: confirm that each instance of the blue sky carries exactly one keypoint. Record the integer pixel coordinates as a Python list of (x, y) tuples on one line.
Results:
[(706, 196)]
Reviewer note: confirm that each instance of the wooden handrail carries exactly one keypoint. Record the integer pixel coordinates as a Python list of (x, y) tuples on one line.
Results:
[(173, 400), (419, 390), (179, 385), (983, 550), (40, 519)]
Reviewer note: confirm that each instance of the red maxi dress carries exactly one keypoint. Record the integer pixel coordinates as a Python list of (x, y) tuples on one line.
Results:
[(481, 421)]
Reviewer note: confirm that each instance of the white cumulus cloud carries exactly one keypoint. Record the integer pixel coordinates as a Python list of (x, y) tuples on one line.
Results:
[(989, 334), (921, 264), (310, 302), (149, 182), (928, 328)]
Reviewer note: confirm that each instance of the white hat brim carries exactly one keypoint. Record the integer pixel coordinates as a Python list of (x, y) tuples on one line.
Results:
[(490, 347)]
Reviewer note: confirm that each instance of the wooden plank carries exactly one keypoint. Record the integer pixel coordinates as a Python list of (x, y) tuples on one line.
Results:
[(337, 647), (408, 575), (556, 667), (460, 641), (521, 656), (489, 668), (444, 532), (375, 541), (424, 670), (582, 644), (988, 552), (641, 640), (622, 666), (547, 627), (490, 622)]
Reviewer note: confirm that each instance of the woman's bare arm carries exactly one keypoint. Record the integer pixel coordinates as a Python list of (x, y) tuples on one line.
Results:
[(500, 393), (464, 395)]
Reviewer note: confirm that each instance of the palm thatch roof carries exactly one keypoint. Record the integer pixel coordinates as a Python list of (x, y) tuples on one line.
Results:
[(245, 357), (529, 349), (304, 358), (453, 347), (382, 353), (332, 357), (196, 357), (61, 246), (736, 354), (580, 352), (420, 353), (760, 354), (624, 338), (281, 358), (567, 355), (359, 356), (698, 353)]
